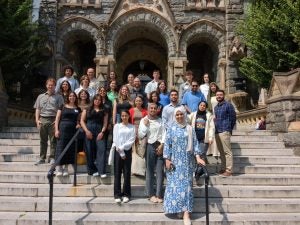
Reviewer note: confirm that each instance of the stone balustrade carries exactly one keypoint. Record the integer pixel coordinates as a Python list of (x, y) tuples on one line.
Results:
[(18, 116), (79, 3), (247, 120)]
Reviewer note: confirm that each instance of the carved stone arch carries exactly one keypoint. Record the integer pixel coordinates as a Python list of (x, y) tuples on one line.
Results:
[(77, 24), (141, 17), (206, 31)]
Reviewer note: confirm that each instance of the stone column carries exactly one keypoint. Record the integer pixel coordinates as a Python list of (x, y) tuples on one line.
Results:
[(102, 68), (176, 70), (283, 106), (222, 73)]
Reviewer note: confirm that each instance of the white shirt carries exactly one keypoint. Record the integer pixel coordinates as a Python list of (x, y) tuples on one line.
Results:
[(123, 137), (204, 88), (89, 90), (151, 86), (154, 131), (94, 84), (183, 88), (73, 82)]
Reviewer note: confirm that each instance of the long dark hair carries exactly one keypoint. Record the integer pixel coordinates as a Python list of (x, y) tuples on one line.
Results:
[(76, 98), (101, 106), (88, 96)]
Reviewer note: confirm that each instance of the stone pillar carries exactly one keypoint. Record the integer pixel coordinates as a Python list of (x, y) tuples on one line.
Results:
[(102, 67), (283, 106), (176, 70), (222, 73)]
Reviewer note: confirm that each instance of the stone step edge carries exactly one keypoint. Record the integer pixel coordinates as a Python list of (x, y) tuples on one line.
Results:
[(119, 218)]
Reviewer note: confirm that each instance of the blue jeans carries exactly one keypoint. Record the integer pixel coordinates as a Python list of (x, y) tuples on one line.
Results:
[(154, 163)]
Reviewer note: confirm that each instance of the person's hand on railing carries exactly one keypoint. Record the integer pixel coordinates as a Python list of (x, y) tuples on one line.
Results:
[(89, 135), (200, 160)]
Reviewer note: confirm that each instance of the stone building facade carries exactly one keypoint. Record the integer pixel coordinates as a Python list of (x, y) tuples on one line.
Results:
[(137, 36)]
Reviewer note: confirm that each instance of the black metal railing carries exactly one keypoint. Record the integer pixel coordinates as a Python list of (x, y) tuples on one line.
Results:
[(203, 172), (50, 174)]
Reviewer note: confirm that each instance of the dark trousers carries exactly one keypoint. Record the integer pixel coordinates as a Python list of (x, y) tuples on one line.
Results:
[(47, 131), (122, 166), (154, 163), (95, 155)]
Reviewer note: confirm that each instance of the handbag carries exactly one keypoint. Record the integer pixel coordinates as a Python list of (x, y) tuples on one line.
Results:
[(141, 146), (111, 155), (81, 158)]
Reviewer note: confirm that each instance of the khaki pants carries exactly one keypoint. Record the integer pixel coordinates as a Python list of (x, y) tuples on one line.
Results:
[(224, 147), (47, 131)]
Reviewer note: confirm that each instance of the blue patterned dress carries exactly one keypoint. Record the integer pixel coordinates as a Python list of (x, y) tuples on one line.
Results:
[(179, 194)]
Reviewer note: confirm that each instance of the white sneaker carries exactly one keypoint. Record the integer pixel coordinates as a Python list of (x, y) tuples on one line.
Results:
[(103, 175), (58, 173), (65, 173), (52, 161), (96, 174), (125, 199), (118, 200)]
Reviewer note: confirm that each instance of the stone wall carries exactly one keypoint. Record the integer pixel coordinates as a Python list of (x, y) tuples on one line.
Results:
[(283, 106)]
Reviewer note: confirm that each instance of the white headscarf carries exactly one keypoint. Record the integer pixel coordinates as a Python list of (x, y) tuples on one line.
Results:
[(184, 124)]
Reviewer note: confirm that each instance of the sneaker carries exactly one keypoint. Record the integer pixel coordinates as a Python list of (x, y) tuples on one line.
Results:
[(65, 173), (118, 200), (51, 161), (159, 200), (41, 161), (103, 175), (96, 174), (125, 199), (153, 199), (226, 174), (59, 173)]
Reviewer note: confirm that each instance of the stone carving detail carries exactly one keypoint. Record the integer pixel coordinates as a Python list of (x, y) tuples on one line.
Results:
[(128, 4), (237, 49), (102, 32), (205, 3)]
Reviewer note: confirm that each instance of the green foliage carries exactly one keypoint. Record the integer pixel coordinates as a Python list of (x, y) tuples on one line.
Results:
[(271, 31), (20, 42)]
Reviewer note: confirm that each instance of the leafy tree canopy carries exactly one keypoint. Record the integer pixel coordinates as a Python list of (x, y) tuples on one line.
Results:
[(271, 30), (20, 40)]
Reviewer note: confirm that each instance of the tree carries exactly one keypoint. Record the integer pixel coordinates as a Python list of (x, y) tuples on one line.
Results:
[(271, 30), (20, 40)]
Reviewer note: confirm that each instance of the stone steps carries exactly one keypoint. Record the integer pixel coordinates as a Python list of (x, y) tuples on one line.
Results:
[(138, 191), (66, 218), (140, 205), (238, 168), (265, 188), (83, 178)]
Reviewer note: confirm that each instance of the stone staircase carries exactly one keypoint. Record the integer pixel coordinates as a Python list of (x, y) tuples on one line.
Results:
[(265, 188)]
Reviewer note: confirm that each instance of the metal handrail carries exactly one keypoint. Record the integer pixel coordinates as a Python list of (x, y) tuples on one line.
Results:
[(206, 180), (50, 173)]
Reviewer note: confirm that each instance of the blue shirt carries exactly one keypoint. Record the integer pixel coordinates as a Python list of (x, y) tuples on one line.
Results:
[(192, 99), (164, 99), (225, 117)]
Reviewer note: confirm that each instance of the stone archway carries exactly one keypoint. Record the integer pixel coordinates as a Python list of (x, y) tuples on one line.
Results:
[(209, 37), (141, 18), (78, 44), (141, 35)]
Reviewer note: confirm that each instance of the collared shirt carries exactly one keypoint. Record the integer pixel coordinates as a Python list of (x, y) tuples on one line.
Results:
[(183, 88), (138, 91), (154, 131), (168, 114), (225, 117), (73, 82), (48, 104), (151, 86), (112, 96), (191, 100)]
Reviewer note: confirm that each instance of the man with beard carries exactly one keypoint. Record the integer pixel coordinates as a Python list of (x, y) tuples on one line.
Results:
[(168, 110), (225, 119)]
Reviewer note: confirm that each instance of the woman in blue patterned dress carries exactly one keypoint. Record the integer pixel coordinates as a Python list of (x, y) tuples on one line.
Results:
[(180, 147)]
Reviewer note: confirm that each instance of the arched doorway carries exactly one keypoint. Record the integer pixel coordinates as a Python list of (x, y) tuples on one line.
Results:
[(79, 51), (141, 50), (201, 60)]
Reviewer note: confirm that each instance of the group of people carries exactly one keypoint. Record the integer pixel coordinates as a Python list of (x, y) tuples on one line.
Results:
[(156, 132)]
